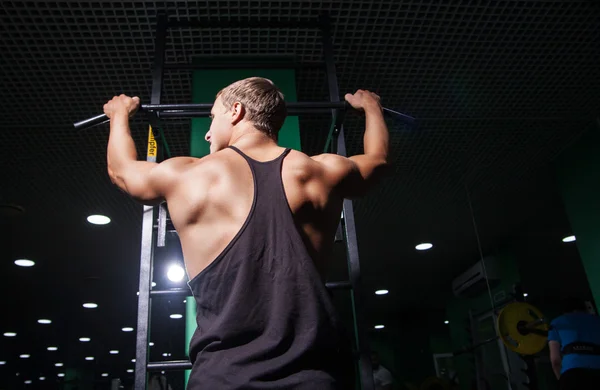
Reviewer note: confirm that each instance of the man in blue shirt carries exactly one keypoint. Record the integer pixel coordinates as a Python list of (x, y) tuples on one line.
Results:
[(574, 341)]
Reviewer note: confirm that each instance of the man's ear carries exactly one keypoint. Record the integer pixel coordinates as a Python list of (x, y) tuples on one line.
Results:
[(237, 113)]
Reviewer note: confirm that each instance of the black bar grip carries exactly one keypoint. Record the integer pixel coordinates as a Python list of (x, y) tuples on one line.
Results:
[(90, 122)]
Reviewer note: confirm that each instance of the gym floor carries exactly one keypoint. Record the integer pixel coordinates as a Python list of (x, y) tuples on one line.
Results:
[(500, 168)]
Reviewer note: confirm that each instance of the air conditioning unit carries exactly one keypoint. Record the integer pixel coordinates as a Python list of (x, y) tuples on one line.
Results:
[(475, 280)]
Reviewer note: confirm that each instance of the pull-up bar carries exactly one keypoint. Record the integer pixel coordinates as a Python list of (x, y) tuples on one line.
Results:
[(203, 109)]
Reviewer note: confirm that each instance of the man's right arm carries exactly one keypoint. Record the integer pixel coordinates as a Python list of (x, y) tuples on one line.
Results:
[(355, 175)]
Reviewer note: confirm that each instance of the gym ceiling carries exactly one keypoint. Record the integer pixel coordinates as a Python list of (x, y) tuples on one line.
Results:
[(500, 89)]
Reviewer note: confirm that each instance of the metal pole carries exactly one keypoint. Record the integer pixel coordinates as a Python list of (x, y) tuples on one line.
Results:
[(364, 362), (147, 246)]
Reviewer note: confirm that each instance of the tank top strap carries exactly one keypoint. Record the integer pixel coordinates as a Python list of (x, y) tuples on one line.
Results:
[(254, 162)]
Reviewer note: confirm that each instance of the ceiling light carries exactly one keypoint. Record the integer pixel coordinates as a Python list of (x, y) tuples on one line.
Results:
[(185, 300), (44, 321), (98, 219), (24, 263), (153, 284), (60, 374), (165, 354), (90, 305), (379, 326), (127, 329), (424, 246), (42, 378), (132, 360), (176, 316), (59, 364), (104, 374), (27, 382), (89, 358), (10, 334), (2, 362), (151, 344), (381, 292), (24, 356), (569, 239), (525, 295), (175, 273), (130, 370), (446, 322), (113, 352), (85, 339), (52, 348)]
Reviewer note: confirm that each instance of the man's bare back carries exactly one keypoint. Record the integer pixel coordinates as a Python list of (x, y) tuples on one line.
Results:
[(213, 198)]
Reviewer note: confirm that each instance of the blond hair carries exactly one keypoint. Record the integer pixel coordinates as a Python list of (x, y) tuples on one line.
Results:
[(262, 101)]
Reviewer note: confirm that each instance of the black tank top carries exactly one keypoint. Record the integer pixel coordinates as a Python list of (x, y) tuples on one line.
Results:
[(265, 319)]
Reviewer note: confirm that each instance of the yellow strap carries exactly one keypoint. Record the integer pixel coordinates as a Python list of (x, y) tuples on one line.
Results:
[(152, 147)]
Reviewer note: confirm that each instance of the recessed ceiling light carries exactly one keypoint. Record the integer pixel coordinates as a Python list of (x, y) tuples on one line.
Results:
[(27, 382), (24, 356), (130, 370), (569, 239), (24, 263), (84, 339), (381, 292), (60, 374), (104, 374), (52, 348), (165, 354), (525, 295), (113, 352), (153, 284), (127, 329), (132, 360), (58, 364), (42, 378), (379, 326), (90, 305), (2, 362), (446, 322), (175, 273), (176, 316), (98, 219), (10, 334), (89, 358), (151, 344), (44, 321), (424, 246), (185, 300)]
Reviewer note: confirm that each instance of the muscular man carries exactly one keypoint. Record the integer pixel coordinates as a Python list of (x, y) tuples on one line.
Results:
[(256, 223), (574, 341)]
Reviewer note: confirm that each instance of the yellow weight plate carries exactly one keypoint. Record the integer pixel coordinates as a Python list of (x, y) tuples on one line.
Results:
[(509, 319)]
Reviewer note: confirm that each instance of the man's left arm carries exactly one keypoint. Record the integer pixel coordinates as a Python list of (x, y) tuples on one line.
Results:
[(145, 181), (554, 343), (555, 357)]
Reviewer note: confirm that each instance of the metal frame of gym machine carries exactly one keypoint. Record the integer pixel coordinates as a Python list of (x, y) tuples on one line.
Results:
[(142, 366)]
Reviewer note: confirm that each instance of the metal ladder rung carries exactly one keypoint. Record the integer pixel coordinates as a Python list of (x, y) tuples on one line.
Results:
[(343, 285), (170, 293), (172, 365)]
